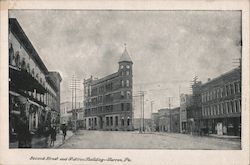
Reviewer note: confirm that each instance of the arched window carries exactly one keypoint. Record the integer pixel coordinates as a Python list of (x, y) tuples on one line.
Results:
[(122, 121), (128, 121)]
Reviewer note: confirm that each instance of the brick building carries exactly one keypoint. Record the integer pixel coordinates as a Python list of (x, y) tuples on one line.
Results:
[(108, 100), (34, 92), (221, 104)]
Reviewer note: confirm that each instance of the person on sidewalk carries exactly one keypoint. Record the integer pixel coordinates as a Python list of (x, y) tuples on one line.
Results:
[(64, 130), (46, 134), (23, 133), (52, 135)]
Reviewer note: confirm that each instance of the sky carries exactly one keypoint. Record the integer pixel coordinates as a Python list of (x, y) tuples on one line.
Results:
[(168, 48)]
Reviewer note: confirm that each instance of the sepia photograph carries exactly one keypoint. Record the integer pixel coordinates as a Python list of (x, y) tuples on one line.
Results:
[(125, 79)]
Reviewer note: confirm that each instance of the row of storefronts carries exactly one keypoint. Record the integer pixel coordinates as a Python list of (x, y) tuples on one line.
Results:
[(214, 107), (34, 92)]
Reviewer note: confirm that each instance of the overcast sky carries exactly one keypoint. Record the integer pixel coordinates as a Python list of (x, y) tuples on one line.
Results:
[(168, 48)]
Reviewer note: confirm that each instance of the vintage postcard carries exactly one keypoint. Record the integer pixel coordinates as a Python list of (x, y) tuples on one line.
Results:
[(125, 82)]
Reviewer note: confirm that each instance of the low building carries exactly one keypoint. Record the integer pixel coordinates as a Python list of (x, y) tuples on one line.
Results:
[(138, 124), (221, 104), (169, 120), (155, 122)]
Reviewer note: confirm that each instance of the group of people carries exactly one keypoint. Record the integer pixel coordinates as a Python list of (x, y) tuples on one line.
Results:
[(25, 135)]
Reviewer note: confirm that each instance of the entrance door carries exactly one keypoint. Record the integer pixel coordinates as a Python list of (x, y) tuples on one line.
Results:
[(219, 129), (101, 123)]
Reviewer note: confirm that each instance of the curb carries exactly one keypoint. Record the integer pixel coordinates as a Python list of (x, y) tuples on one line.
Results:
[(63, 142)]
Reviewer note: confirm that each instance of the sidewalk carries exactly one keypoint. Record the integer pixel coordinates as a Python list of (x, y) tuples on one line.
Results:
[(59, 139), (39, 142)]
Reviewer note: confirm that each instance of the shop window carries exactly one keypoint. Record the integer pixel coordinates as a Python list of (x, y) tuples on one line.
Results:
[(95, 122), (116, 120)]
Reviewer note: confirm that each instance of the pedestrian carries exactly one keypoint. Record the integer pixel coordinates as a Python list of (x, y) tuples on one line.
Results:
[(64, 130), (52, 135), (23, 133), (46, 134)]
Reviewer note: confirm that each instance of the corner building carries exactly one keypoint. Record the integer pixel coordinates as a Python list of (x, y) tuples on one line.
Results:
[(108, 101), (221, 104)]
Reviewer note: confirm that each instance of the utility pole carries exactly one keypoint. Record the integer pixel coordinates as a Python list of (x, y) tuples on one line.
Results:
[(170, 115), (141, 94), (74, 85), (152, 103)]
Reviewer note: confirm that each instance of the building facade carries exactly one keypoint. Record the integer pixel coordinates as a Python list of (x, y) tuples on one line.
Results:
[(108, 101), (221, 104), (155, 121), (169, 120), (185, 101), (194, 116), (34, 92)]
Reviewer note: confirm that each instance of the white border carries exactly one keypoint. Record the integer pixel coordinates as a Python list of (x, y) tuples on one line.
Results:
[(194, 157)]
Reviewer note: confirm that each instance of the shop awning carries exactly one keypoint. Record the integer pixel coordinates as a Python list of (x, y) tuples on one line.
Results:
[(13, 93)]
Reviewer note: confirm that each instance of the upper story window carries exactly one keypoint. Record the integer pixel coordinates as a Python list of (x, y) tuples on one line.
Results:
[(127, 66), (122, 66), (127, 83), (127, 72), (122, 83)]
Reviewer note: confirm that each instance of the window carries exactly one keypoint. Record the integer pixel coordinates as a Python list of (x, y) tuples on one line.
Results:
[(122, 82), (107, 121), (116, 120), (127, 83), (128, 106), (127, 73), (111, 120), (128, 121), (95, 122), (122, 66), (127, 66), (128, 94), (122, 106), (122, 121), (122, 94)]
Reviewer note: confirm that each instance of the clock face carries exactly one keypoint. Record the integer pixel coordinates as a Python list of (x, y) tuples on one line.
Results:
[(127, 66)]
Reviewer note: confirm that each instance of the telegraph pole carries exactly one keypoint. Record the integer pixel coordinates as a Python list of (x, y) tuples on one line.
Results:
[(74, 85), (152, 102)]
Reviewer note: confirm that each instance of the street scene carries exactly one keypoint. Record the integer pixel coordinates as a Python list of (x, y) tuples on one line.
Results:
[(133, 140), (115, 79)]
